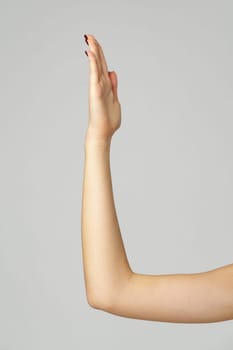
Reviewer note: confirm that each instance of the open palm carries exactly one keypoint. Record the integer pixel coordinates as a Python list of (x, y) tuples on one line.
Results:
[(104, 105)]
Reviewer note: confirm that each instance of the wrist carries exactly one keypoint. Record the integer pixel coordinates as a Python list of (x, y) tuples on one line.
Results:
[(94, 140)]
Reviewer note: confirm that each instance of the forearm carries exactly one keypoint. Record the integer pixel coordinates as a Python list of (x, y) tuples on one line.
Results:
[(106, 268)]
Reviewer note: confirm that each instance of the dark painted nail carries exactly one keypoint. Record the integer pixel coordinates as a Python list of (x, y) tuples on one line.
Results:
[(86, 53), (86, 39)]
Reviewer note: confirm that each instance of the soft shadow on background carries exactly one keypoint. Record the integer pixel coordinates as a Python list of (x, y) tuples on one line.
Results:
[(171, 161)]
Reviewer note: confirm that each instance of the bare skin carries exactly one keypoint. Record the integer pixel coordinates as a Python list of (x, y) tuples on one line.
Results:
[(110, 283)]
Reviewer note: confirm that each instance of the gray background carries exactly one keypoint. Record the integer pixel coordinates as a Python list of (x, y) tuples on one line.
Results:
[(171, 162)]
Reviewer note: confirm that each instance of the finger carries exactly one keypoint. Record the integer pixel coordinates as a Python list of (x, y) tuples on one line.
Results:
[(94, 69), (103, 60), (114, 82), (94, 47)]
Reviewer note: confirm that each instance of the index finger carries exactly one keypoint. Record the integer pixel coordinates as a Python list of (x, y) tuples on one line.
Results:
[(100, 55)]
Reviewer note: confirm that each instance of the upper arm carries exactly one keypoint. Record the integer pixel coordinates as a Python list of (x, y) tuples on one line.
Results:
[(182, 298)]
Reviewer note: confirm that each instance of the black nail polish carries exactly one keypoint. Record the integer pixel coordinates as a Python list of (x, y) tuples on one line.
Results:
[(86, 53), (86, 39)]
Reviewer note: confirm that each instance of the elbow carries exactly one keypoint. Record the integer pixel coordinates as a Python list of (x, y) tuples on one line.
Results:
[(106, 298), (92, 301), (97, 301)]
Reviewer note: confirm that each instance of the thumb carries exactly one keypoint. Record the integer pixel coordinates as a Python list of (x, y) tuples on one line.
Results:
[(114, 81)]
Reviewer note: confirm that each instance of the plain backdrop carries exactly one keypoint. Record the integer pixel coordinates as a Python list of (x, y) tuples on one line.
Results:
[(171, 162)]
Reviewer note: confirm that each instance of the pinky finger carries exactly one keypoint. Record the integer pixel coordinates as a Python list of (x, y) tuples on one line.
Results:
[(94, 70)]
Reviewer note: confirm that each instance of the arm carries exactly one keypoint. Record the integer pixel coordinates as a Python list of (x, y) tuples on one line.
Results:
[(111, 285), (105, 263), (106, 268), (181, 298)]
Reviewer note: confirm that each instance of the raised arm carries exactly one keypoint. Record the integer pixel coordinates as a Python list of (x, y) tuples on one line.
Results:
[(106, 268), (110, 283)]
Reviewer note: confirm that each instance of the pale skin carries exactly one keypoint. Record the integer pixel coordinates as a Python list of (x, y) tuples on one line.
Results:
[(111, 285)]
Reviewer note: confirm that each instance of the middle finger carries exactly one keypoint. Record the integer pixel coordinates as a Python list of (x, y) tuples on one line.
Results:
[(92, 42)]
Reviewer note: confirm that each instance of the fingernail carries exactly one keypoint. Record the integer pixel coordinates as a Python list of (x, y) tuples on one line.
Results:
[(86, 53), (86, 39)]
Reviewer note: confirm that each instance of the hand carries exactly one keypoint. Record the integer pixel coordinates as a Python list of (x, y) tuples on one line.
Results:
[(104, 105)]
